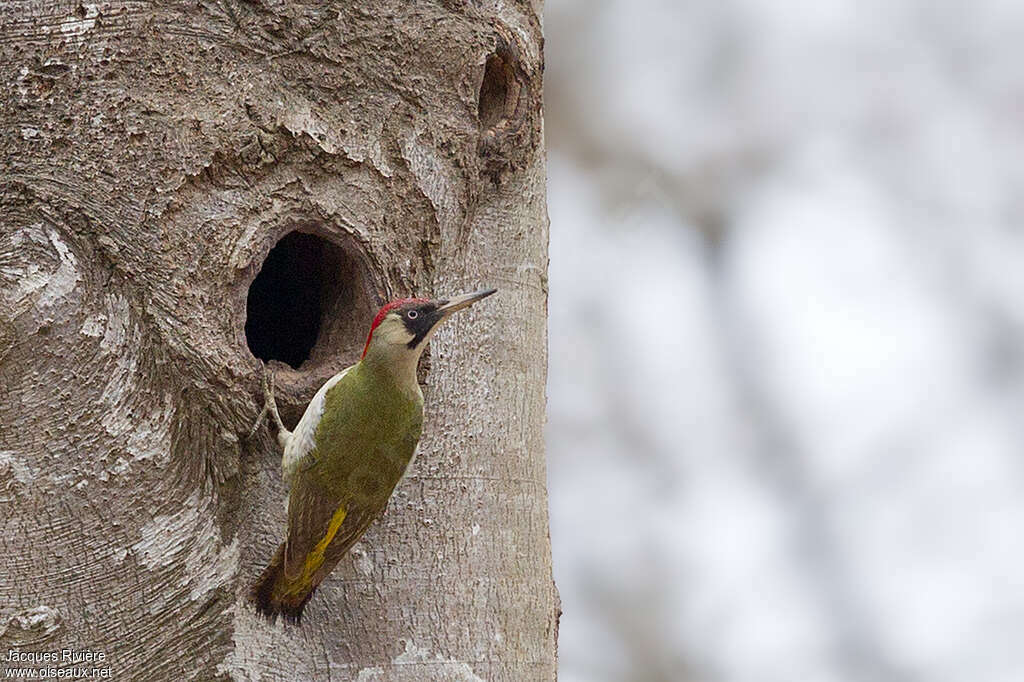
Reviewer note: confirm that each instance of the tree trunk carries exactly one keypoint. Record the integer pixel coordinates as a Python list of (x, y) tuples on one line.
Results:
[(153, 156)]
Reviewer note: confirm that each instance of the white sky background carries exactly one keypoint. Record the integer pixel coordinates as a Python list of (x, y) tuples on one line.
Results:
[(786, 417)]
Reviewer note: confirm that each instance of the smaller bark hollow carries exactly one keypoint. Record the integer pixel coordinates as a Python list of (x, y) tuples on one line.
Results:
[(310, 298), (499, 92), (508, 106)]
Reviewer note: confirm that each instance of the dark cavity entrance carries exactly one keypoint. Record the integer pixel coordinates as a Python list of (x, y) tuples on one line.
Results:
[(283, 311), (309, 301)]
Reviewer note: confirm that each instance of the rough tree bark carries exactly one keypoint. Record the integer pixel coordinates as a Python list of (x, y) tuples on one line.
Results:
[(153, 155)]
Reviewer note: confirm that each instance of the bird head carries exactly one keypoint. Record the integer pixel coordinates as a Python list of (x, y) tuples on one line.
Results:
[(403, 327)]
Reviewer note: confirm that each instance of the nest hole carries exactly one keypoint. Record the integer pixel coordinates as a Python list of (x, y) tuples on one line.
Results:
[(309, 301)]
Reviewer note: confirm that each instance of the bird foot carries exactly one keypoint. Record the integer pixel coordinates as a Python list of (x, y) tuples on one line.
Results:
[(269, 404)]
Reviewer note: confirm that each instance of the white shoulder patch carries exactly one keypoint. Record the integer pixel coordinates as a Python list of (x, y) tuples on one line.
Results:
[(301, 442)]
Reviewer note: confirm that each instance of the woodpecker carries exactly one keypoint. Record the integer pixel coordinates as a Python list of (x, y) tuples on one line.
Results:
[(349, 450)]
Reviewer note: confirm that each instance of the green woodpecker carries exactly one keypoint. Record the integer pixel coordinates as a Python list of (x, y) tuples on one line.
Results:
[(349, 450)]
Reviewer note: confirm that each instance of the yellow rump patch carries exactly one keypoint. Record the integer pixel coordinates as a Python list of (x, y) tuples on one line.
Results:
[(315, 559)]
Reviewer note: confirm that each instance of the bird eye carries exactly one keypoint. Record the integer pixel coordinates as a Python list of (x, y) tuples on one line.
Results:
[(413, 314)]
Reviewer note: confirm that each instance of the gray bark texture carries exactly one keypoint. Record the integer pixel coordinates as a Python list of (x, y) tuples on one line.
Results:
[(152, 156)]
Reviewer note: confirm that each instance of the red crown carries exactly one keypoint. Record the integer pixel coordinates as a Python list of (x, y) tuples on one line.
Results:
[(383, 312)]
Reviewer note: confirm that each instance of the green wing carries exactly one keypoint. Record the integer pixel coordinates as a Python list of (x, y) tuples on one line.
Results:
[(363, 444)]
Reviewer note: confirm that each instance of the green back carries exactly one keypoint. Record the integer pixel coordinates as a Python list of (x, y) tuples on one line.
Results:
[(366, 437)]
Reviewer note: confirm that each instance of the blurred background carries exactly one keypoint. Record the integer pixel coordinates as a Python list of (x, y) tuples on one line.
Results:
[(786, 419)]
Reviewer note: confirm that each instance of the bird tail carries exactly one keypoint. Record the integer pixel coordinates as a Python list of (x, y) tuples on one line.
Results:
[(274, 595)]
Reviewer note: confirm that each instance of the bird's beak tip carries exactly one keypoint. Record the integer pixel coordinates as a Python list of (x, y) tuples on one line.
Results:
[(464, 301)]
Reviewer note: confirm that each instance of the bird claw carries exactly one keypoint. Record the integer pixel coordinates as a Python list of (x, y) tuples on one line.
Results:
[(269, 405), (270, 402), (256, 424), (268, 388)]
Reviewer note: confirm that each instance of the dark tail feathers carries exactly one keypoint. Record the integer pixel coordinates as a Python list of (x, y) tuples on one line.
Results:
[(269, 597)]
